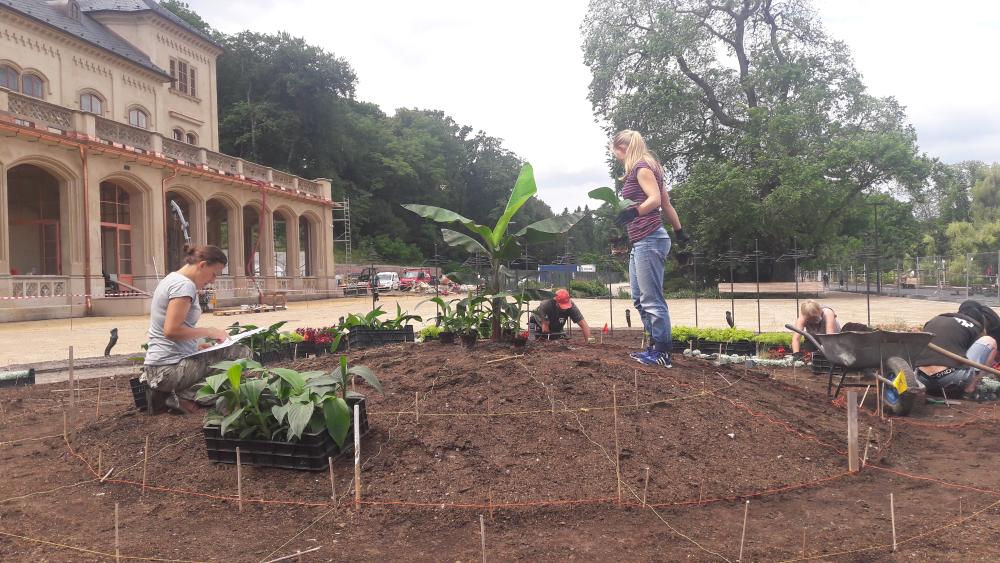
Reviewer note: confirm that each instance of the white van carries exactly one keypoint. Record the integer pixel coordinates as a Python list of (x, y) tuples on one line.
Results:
[(387, 281)]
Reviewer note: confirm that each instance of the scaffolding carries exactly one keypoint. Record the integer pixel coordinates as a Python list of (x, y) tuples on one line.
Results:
[(342, 227)]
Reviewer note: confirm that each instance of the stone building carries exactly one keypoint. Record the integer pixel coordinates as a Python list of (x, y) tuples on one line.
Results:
[(109, 135)]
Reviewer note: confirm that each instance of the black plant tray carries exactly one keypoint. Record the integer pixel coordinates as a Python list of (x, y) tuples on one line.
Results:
[(365, 337), (741, 347), (17, 378), (138, 392), (822, 366), (309, 454)]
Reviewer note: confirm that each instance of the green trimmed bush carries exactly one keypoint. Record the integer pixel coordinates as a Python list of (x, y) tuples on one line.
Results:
[(774, 338)]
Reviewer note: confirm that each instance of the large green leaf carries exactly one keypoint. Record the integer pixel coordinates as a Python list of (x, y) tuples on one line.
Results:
[(235, 375), (299, 414), (524, 189), (214, 382), (442, 215), (607, 195), (292, 377), (368, 375), (547, 229), (251, 389), (226, 422), (465, 242), (338, 419), (279, 412)]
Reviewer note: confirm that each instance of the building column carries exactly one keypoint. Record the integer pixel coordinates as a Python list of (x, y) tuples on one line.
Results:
[(199, 222), (237, 262), (267, 249), (4, 225), (325, 266), (292, 252)]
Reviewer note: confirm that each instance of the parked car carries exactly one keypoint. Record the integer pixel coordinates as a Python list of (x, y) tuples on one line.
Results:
[(387, 281), (412, 277)]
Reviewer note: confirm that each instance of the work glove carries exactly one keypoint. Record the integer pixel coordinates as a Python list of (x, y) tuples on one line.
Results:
[(626, 216), (681, 237)]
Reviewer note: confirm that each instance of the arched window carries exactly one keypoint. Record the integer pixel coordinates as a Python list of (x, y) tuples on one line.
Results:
[(178, 135), (91, 103), (8, 78), (138, 118), (192, 139), (31, 85)]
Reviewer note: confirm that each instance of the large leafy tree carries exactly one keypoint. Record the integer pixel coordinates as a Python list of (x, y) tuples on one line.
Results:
[(754, 107)]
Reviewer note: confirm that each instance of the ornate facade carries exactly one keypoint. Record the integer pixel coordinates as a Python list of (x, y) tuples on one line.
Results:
[(109, 160)]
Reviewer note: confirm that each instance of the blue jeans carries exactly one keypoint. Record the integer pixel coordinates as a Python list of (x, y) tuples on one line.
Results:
[(645, 272)]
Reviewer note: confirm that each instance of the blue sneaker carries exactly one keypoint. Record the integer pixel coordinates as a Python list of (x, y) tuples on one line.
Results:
[(654, 358), (635, 355)]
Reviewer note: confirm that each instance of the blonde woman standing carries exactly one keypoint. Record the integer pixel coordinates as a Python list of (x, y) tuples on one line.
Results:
[(644, 184)]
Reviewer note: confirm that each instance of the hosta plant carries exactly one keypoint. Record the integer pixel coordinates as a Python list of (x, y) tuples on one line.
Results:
[(279, 403)]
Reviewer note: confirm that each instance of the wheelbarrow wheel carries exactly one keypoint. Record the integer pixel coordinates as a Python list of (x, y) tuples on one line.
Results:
[(899, 404)]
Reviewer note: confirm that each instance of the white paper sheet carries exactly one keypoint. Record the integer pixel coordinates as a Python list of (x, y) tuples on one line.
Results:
[(230, 341)]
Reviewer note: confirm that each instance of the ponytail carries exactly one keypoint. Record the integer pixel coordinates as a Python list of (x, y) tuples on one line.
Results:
[(635, 151)]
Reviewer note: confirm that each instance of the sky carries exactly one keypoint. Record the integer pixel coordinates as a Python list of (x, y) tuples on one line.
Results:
[(515, 69)]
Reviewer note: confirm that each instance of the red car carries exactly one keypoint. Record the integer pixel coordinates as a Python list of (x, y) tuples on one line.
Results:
[(411, 277)]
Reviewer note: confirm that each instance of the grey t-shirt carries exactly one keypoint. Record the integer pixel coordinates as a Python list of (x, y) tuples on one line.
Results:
[(163, 351)]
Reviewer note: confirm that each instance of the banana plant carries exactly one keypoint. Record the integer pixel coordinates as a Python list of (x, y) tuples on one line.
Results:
[(496, 243), (613, 205)]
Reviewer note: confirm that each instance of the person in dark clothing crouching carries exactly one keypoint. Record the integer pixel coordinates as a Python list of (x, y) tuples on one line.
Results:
[(548, 320), (963, 333)]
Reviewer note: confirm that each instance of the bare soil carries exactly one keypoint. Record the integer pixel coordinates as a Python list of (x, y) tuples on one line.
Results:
[(529, 443)]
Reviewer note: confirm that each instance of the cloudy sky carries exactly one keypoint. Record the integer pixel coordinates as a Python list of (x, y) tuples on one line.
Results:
[(514, 69)]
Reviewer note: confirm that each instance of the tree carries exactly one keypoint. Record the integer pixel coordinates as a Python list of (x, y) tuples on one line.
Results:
[(753, 107)]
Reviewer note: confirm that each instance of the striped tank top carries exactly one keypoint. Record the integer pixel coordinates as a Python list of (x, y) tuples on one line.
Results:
[(642, 227)]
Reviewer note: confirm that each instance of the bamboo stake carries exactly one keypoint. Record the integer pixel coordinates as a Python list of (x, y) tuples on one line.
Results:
[(333, 486), (97, 413), (145, 464), (852, 431), (357, 458), (416, 405), (746, 512), (892, 513), (645, 488), (803, 541), (118, 553), (868, 441), (239, 480), (865, 396), (482, 535), (100, 460), (618, 453), (65, 424)]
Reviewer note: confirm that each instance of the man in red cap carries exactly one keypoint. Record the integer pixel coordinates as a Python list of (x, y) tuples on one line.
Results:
[(551, 314)]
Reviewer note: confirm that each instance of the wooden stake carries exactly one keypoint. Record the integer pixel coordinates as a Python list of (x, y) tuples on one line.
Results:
[(97, 413), (482, 535), (852, 431), (118, 553), (618, 453), (701, 491), (645, 488), (333, 486), (868, 441), (636, 375), (239, 480), (416, 405), (357, 458), (746, 511), (803, 541), (72, 395), (959, 507), (145, 464), (892, 514), (65, 425), (100, 460)]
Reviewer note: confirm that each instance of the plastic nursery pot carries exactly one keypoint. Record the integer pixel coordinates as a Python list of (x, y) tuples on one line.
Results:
[(447, 337), (469, 340)]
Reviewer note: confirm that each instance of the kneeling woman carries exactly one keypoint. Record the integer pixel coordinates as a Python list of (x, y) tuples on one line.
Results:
[(170, 368)]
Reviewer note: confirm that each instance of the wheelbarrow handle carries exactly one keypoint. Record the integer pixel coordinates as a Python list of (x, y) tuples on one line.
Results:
[(807, 335), (962, 359)]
